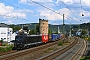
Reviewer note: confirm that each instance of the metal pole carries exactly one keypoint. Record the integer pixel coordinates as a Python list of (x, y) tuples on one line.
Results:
[(63, 25), (35, 29), (70, 29)]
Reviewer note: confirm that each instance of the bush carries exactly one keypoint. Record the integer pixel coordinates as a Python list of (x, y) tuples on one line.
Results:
[(66, 41), (5, 49), (89, 39), (51, 48), (4, 44), (46, 51), (81, 58), (85, 58), (1, 41), (83, 37), (60, 43)]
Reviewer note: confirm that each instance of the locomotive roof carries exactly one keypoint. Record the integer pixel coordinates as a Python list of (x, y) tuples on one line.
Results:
[(33, 35)]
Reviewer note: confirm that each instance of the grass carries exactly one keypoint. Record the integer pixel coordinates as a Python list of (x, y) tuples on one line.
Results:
[(85, 58), (46, 51), (49, 49), (52, 48), (6, 48)]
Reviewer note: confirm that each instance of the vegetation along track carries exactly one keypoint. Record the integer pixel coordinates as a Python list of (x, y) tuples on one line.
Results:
[(58, 52), (26, 51)]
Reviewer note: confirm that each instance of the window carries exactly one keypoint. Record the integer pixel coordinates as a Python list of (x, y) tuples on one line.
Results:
[(1, 38), (18, 37), (4, 38)]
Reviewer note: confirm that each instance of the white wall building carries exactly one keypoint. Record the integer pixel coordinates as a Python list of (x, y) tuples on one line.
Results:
[(6, 34)]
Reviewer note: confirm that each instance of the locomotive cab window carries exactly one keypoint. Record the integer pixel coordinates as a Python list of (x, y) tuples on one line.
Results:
[(18, 37)]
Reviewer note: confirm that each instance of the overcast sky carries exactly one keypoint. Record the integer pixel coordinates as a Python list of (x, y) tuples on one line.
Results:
[(29, 11)]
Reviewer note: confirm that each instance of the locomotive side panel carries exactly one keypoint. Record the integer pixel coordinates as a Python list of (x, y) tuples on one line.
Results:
[(30, 40), (22, 41)]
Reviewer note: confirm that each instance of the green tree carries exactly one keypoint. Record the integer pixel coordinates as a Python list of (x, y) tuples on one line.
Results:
[(16, 28), (37, 29), (49, 31), (12, 26), (83, 32), (33, 31)]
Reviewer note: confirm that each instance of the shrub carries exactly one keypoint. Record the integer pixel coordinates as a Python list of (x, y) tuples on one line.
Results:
[(81, 58), (5, 49), (1, 41), (2, 49), (46, 51), (83, 37), (51, 48), (66, 41), (60, 43), (85, 58), (4, 44), (89, 39)]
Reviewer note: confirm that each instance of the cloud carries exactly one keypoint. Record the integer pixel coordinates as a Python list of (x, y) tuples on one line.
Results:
[(34, 2), (9, 22), (5, 9), (11, 15), (67, 1), (86, 13), (24, 11), (54, 16), (26, 1), (9, 12), (83, 2), (87, 2)]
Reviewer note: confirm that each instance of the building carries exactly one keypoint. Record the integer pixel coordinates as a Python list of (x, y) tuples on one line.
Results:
[(3, 25), (6, 34), (43, 26)]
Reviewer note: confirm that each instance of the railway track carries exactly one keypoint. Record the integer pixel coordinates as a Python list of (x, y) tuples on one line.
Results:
[(58, 52), (80, 52), (24, 52), (9, 52), (74, 53), (70, 52)]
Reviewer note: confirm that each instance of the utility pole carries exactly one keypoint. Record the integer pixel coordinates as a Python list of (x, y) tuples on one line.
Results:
[(35, 30), (63, 25), (70, 29)]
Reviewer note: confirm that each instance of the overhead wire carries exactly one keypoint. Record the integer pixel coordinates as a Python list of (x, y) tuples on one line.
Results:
[(49, 9), (16, 7), (69, 9), (40, 5), (81, 8), (82, 14)]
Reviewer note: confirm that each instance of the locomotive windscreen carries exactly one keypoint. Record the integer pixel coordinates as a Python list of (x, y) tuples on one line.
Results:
[(18, 37)]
